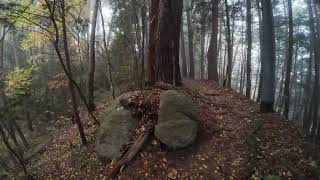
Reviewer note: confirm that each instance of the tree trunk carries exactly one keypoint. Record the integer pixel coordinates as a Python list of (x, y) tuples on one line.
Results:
[(71, 85), (2, 46), (106, 48), (316, 56), (92, 57), (229, 67), (167, 65), (268, 59), (7, 144), (212, 56), (249, 47), (202, 44), (15, 50), (286, 91), (183, 52), (20, 133), (190, 42), (153, 25)]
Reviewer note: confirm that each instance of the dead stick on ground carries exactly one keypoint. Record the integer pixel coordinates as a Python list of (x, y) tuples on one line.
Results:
[(132, 152)]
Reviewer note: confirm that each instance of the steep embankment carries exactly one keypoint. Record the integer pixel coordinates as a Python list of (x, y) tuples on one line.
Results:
[(235, 141)]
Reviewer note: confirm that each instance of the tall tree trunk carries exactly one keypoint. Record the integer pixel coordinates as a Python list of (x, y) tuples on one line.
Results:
[(249, 47), (268, 59), (289, 63), (71, 85), (106, 48), (316, 56), (229, 67), (260, 46), (183, 52), (153, 25), (212, 56), (202, 44), (15, 50), (92, 57), (3, 34), (167, 66), (190, 42)]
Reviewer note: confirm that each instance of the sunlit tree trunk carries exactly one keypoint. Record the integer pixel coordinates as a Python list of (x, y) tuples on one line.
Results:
[(92, 57), (2, 38), (202, 44), (268, 59), (183, 52), (190, 42)]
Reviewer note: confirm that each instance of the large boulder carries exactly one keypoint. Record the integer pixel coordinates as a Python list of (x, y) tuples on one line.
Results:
[(116, 130), (177, 124)]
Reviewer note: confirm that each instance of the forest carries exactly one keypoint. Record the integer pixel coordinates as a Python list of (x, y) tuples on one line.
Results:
[(160, 89)]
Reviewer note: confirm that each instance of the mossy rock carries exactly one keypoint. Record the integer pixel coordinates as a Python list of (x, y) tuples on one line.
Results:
[(177, 124), (115, 132)]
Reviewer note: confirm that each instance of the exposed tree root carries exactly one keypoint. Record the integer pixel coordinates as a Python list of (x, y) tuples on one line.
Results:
[(131, 153)]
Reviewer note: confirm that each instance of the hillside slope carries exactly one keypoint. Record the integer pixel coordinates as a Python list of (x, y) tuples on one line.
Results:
[(235, 142)]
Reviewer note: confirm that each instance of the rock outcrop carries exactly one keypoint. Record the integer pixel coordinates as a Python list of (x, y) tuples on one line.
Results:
[(177, 124)]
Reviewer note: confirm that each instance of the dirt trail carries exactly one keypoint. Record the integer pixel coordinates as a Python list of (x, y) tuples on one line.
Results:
[(235, 142)]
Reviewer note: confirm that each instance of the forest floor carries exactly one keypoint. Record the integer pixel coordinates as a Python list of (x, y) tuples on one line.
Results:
[(234, 141)]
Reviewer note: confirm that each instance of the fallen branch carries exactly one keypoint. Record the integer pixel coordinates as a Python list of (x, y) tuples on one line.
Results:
[(131, 153)]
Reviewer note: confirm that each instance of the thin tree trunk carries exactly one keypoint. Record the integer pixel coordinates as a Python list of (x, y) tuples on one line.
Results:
[(15, 50), (289, 63), (7, 144), (190, 42), (106, 48), (202, 44), (2, 46), (249, 47), (229, 67), (71, 85), (92, 57), (183, 52)]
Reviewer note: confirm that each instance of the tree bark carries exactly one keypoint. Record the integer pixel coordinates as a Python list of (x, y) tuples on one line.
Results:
[(212, 56), (92, 57), (268, 59), (286, 91), (202, 44), (183, 52), (15, 50), (2, 46), (71, 85), (190, 43), (316, 56), (249, 47), (153, 26), (167, 65), (227, 81)]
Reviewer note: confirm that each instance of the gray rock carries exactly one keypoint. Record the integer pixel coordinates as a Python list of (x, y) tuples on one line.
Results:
[(178, 120), (115, 132)]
